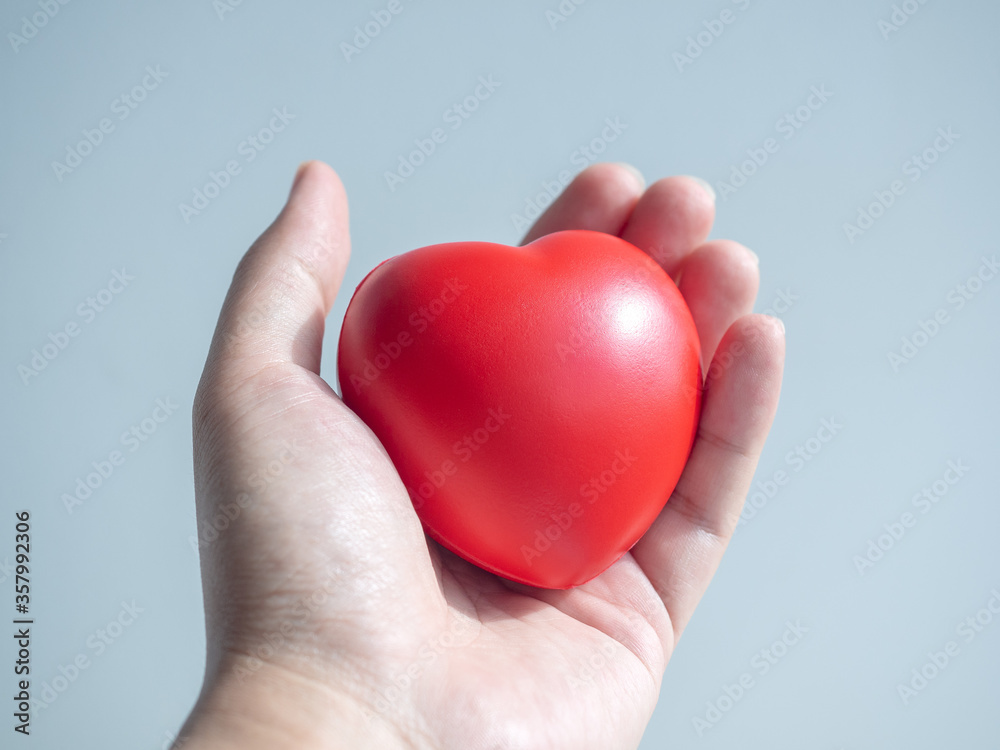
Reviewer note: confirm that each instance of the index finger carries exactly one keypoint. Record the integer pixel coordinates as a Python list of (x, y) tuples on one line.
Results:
[(600, 198)]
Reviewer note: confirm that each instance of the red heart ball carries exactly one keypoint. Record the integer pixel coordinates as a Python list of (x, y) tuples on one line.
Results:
[(538, 402)]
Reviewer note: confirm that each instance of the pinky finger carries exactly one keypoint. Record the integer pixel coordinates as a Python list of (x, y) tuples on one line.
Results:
[(684, 546)]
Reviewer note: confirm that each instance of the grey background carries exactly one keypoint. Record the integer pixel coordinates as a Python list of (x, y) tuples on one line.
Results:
[(794, 560)]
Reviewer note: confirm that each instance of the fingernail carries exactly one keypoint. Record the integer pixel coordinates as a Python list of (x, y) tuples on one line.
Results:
[(753, 255), (780, 322), (634, 172), (704, 185), (299, 172)]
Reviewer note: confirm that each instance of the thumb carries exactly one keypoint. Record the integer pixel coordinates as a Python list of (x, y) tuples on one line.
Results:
[(304, 527), (286, 283)]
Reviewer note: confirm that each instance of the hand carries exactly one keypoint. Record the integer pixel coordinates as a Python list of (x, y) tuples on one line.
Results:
[(334, 622)]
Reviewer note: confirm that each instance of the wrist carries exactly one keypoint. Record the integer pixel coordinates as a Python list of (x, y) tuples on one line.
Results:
[(274, 707)]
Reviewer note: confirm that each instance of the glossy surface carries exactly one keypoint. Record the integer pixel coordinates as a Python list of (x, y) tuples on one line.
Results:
[(539, 402)]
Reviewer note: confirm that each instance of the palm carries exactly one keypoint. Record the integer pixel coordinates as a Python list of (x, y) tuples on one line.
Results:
[(452, 655)]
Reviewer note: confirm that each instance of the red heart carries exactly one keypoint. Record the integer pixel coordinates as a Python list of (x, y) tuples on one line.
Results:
[(538, 402)]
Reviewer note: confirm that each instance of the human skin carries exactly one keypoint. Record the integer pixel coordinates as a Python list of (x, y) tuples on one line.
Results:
[(332, 621)]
